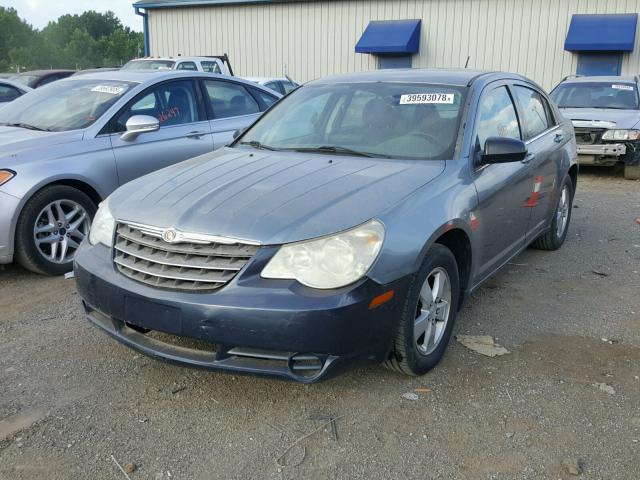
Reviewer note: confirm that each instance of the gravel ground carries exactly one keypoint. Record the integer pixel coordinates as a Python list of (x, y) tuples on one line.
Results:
[(70, 397)]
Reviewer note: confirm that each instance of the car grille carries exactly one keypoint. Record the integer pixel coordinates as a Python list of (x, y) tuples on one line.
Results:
[(589, 136), (142, 255)]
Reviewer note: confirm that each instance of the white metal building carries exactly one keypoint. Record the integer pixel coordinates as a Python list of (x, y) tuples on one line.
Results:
[(542, 39)]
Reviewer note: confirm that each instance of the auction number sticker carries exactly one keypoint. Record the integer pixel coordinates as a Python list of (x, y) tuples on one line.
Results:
[(622, 87), (418, 98), (108, 89)]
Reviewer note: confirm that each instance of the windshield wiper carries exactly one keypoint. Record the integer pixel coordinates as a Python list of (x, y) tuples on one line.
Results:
[(338, 150), (25, 125), (258, 145)]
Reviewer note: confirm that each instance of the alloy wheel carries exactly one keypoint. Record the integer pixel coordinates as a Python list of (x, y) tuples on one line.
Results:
[(59, 229), (562, 213), (432, 314)]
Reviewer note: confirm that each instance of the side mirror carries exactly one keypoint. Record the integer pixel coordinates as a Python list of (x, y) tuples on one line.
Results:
[(238, 132), (140, 124), (503, 150)]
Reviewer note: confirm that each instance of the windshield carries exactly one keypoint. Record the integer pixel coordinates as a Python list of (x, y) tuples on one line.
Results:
[(617, 95), (66, 105), (149, 65), (395, 120)]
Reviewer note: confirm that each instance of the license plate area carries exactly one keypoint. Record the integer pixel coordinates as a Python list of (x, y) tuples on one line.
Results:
[(153, 316)]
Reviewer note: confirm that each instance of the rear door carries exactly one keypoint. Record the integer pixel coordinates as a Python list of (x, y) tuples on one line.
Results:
[(544, 140), (184, 129), (500, 220), (231, 107)]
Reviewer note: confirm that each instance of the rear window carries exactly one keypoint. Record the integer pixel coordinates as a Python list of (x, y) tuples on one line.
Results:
[(617, 95)]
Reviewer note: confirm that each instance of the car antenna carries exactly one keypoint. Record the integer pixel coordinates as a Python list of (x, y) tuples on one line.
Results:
[(467, 62)]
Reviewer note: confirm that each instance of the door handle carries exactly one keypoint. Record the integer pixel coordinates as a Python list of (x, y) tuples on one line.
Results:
[(196, 135), (528, 158), (558, 138)]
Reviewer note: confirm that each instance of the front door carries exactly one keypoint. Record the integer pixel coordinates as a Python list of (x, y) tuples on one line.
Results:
[(500, 220), (184, 130)]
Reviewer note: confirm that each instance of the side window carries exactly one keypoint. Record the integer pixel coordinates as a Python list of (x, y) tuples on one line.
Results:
[(8, 93), (172, 103), (187, 66), (266, 99), (211, 67), (535, 119), (288, 87), (497, 116), (274, 86), (230, 99)]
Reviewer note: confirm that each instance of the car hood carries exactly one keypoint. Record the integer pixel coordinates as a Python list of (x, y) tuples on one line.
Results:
[(621, 118), (15, 141), (270, 197)]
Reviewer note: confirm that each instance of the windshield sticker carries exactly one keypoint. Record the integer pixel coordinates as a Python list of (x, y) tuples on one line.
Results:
[(419, 98), (108, 89), (622, 87)]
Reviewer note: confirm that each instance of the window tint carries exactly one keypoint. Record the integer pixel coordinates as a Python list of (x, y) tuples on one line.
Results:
[(211, 67), (8, 93), (230, 99), (171, 103), (533, 110), (497, 116), (266, 99), (187, 66)]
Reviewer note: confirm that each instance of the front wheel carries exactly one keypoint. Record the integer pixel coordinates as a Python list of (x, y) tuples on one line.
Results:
[(50, 228), (428, 315), (556, 235)]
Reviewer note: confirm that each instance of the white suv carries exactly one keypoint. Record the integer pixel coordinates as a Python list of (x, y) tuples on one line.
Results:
[(212, 64)]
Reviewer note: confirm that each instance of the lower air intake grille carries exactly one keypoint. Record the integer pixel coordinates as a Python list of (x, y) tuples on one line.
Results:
[(142, 255)]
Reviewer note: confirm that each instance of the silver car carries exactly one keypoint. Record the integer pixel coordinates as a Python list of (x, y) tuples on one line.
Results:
[(66, 146), (9, 91)]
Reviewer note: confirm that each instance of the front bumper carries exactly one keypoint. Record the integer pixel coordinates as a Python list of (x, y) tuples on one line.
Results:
[(252, 325), (8, 207), (609, 150)]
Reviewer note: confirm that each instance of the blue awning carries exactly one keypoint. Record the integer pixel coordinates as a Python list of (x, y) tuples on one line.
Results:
[(602, 33), (390, 36)]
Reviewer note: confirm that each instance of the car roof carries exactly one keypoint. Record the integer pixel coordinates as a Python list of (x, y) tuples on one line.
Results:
[(174, 59), (608, 79), (38, 73), (458, 77), (153, 76), (18, 85), (266, 79)]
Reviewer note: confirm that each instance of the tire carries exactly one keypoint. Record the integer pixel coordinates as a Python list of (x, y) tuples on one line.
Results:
[(553, 238), (52, 252), (407, 355), (632, 172)]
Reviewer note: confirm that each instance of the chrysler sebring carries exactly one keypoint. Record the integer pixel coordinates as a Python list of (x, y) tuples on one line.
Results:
[(345, 226)]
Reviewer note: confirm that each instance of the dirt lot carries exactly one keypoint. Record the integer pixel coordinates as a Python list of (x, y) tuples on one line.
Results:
[(70, 397)]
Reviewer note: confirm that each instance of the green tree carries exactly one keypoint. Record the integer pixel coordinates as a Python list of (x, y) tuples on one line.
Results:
[(91, 39)]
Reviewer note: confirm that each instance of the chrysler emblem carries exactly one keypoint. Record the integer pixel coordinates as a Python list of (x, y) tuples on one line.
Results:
[(170, 235)]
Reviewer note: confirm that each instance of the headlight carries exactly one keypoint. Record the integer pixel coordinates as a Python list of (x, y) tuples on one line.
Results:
[(329, 262), (6, 175), (103, 226), (621, 135)]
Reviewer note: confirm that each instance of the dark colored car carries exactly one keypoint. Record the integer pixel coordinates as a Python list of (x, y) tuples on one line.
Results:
[(345, 226), (38, 78)]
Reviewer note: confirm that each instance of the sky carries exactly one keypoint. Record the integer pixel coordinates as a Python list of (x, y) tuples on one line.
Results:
[(40, 12)]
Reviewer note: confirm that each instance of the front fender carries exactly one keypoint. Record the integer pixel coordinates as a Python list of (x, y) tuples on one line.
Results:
[(413, 226)]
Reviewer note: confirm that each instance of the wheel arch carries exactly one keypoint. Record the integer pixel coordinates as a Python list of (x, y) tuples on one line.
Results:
[(457, 240)]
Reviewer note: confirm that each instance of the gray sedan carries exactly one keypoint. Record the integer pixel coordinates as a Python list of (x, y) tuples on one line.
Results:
[(67, 146), (345, 226), (9, 91)]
